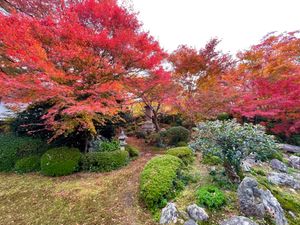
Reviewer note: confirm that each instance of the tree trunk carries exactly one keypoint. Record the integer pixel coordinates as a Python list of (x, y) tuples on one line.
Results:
[(231, 173), (86, 144), (155, 121)]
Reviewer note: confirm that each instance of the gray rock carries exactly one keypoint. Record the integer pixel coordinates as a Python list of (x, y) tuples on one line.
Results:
[(249, 162), (278, 165), (257, 202), (238, 220), (292, 214), (190, 222), (249, 198), (273, 207), (197, 213), (290, 148), (283, 179), (169, 214), (294, 161)]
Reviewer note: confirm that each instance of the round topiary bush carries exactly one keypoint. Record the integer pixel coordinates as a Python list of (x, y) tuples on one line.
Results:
[(104, 161), (184, 153), (28, 164), (160, 179), (211, 197), (132, 151), (174, 135), (60, 161)]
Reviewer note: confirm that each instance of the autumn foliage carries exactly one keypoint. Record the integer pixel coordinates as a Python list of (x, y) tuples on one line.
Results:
[(81, 58)]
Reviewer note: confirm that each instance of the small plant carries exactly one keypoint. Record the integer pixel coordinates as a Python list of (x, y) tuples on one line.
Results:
[(161, 178), (184, 153), (104, 161), (132, 151), (28, 164), (211, 197), (212, 160), (60, 161), (105, 146)]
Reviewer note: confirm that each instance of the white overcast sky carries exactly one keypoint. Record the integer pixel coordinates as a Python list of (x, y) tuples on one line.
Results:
[(238, 23)]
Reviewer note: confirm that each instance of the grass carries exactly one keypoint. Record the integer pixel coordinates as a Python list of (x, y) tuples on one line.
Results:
[(83, 198)]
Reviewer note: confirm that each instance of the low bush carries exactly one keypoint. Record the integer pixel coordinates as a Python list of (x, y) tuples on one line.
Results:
[(161, 178), (232, 142), (184, 153), (174, 135), (132, 151), (181, 144), (105, 146), (210, 197), (211, 160), (60, 161), (13, 148), (28, 164), (104, 161)]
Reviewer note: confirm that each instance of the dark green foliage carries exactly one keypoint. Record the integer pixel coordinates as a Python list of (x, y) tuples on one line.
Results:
[(161, 178), (220, 179), (104, 161), (132, 151), (174, 135), (210, 197), (140, 134), (106, 146), (13, 148), (224, 116), (212, 160), (183, 153), (28, 164), (181, 144), (60, 161)]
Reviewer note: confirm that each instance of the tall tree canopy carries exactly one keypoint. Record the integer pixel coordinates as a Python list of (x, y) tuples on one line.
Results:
[(81, 58)]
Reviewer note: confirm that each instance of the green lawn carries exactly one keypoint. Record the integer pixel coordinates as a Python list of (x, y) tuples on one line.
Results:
[(84, 198)]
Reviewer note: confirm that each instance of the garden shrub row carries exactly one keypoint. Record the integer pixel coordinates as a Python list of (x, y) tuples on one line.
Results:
[(104, 161), (13, 148), (160, 180), (184, 153)]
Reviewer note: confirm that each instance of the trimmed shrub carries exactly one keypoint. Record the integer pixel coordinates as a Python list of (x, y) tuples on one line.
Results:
[(104, 161), (28, 164), (13, 148), (183, 153), (161, 178), (181, 144), (174, 135), (105, 146), (60, 161), (132, 151), (211, 160), (211, 197)]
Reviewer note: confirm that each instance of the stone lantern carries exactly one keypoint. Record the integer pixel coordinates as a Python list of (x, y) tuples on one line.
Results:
[(122, 139)]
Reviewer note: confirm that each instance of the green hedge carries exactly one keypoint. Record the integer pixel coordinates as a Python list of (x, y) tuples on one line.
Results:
[(160, 180), (132, 151), (60, 161), (184, 153), (211, 197), (13, 148), (104, 161), (28, 164)]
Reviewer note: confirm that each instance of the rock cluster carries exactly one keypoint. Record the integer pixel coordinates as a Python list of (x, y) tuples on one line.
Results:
[(283, 179), (278, 165)]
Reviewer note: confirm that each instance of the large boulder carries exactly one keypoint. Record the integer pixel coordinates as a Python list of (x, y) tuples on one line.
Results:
[(238, 220), (290, 148), (257, 202), (294, 161), (249, 198), (197, 213), (283, 179), (169, 214), (278, 165), (190, 222), (273, 207)]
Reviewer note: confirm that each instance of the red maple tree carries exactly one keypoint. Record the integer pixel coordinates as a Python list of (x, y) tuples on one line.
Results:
[(80, 58)]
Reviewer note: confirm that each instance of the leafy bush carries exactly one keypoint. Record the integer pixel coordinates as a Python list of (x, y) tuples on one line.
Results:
[(211, 197), (184, 153), (232, 142), (104, 161), (106, 146), (60, 161), (28, 164), (140, 134), (132, 151), (212, 160), (174, 135), (13, 148), (161, 178), (181, 144)]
